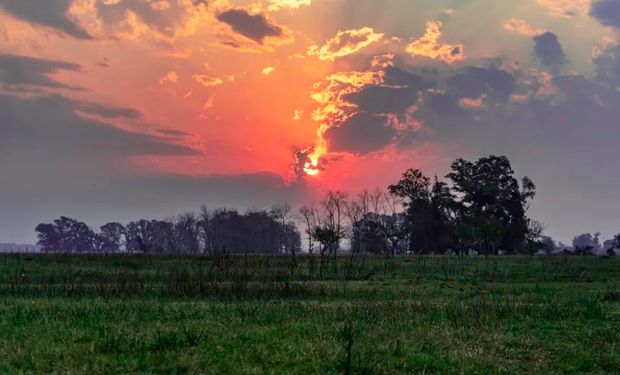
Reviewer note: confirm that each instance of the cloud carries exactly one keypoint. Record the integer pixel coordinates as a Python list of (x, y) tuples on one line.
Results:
[(160, 5), (361, 134), (20, 71), (172, 77), (565, 8), (608, 66), (429, 46), (48, 13), (268, 70), (607, 12), (256, 27), (467, 92), (161, 26), (522, 27), (362, 112), (172, 133), (477, 82), (276, 5), (207, 81), (549, 50), (345, 43), (162, 16), (108, 112), (383, 99), (49, 126)]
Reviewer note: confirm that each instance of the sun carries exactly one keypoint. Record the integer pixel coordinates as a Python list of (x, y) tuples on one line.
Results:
[(311, 168)]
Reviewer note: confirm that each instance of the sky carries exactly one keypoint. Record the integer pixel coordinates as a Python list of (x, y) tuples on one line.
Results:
[(121, 109)]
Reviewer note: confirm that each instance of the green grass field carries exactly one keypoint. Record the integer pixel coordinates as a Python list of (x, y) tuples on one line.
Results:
[(131, 314)]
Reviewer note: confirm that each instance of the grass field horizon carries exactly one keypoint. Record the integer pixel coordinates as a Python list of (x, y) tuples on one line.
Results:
[(266, 314)]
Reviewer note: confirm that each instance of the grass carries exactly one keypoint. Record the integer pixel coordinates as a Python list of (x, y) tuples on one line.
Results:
[(132, 314)]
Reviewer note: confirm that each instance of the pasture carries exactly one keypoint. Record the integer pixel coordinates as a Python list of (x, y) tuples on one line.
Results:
[(232, 314)]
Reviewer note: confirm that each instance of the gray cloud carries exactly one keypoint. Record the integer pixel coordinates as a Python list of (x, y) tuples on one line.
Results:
[(399, 92), (49, 128), (28, 71), (253, 26), (379, 114), (383, 99), (109, 112), (361, 134), (607, 12), (474, 82), (549, 50), (172, 133), (163, 20), (608, 66), (49, 13)]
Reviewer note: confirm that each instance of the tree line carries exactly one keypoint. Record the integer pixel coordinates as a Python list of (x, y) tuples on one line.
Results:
[(209, 232), (480, 206)]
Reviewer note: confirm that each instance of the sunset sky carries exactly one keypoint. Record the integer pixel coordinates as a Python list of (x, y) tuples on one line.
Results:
[(120, 109)]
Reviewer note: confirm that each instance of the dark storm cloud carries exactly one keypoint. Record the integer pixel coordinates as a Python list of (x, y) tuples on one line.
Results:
[(549, 50), (49, 13), (361, 134), (253, 26), (607, 12), (28, 71)]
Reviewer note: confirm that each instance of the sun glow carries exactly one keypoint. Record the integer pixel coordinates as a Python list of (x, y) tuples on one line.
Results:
[(313, 165)]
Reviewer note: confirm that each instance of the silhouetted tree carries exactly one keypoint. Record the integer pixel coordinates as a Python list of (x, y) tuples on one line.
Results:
[(492, 203), (586, 244), (430, 211), (533, 237), (48, 238), (281, 213), (186, 234), (547, 244), (308, 215), (66, 235), (110, 237), (329, 229)]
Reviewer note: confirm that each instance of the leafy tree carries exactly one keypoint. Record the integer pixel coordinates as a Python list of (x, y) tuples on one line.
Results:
[(110, 237), (414, 189), (492, 201), (66, 235), (586, 243), (48, 238)]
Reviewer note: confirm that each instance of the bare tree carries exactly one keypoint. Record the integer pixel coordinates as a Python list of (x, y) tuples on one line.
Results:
[(308, 215), (329, 230), (281, 213), (205, 229), (535, 230)]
